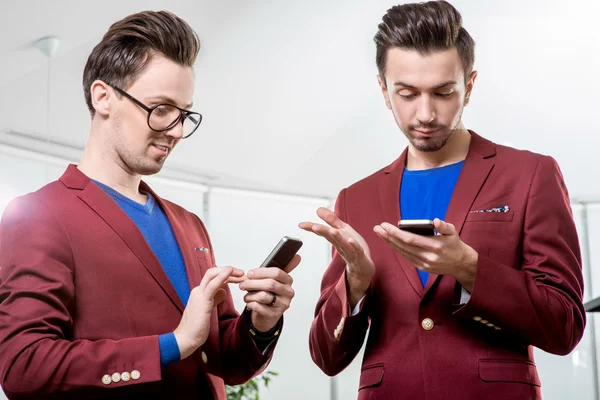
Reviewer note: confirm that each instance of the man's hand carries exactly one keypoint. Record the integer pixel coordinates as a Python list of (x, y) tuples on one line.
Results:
[(194, 327), (269, 294), (443, 254), (351, 247)]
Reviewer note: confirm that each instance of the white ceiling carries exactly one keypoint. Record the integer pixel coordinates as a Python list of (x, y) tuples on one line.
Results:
[(288, 88)]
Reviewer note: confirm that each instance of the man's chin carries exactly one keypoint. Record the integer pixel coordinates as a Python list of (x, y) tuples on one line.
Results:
[(153, 169), (427, 146), (430, 144)]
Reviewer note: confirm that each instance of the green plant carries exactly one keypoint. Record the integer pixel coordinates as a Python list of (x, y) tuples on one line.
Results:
[(250, 389)]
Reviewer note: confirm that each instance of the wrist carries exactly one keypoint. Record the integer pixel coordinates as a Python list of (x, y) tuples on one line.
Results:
[(262, 324), (186, 347), (358, 284), (262, 334), (357, 288), (467, 272)]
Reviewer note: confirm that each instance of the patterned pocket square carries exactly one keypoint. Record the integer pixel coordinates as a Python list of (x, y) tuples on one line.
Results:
[(499, 209)]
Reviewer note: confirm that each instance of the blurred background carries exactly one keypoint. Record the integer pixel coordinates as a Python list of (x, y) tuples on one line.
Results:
[(293, 114)]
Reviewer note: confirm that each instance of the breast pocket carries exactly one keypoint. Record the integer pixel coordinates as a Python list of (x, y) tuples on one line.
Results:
[(204, 261), (203, 253), (493, 234), (490, 216)]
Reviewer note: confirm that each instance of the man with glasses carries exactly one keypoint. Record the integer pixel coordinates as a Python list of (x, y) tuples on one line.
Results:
[(107, 290)]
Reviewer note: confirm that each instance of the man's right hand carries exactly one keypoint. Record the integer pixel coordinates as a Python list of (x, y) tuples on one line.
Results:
[(351, 247), (194, 327)]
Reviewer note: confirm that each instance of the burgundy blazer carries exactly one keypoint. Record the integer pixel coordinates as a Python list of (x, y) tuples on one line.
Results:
[(82, 297), (528, 288)]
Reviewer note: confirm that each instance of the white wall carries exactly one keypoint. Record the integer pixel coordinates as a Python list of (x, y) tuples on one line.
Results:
[(22, 172)]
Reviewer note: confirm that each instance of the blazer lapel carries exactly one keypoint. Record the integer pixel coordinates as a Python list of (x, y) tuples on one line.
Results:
[(123, 226), (477, 167), (194, 273), (187, 249), (389, 197)]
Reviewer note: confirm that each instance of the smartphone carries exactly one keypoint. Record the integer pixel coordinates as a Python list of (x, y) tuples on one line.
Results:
[(419, 226), (283, 253)]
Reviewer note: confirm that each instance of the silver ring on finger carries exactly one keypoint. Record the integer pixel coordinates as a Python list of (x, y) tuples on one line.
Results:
[(273, 300)]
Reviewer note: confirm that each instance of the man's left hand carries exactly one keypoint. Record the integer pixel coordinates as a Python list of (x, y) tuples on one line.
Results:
[(443, 254), (269, 294)]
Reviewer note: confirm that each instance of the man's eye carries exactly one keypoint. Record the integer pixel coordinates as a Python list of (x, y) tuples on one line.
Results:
[(162, 110), (407, 96)]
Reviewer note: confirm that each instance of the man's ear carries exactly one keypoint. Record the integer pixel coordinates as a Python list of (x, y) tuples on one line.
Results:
[(102, 95), (469, 88), (384, 91)]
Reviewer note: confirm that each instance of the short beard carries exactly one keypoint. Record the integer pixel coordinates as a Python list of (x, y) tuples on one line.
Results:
[(434, 144), (429, 146), (132, 163)]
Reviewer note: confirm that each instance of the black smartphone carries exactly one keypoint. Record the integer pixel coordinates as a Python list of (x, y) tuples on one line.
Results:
[(419, 226), (283, 253)]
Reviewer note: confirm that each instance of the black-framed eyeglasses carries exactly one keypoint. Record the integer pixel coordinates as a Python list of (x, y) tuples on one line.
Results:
[(163, 117)]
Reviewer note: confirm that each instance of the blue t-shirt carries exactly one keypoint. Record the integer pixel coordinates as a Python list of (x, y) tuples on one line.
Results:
[(154, 225), (425, 194)]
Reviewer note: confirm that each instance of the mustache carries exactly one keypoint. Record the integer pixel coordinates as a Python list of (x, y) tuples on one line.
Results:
[(429, 126)]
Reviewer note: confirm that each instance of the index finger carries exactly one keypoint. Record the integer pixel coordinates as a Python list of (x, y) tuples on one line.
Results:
[(329, 216), (307, 226), (408, 238), (236, 271), (212, 274), (236, 279), (271, 273), (217, 282)]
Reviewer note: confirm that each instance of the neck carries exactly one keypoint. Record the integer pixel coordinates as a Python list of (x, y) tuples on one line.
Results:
[(455, 150), (105, 166)]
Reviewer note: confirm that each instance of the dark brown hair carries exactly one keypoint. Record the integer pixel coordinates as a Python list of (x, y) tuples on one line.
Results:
[(424, 27), (130, 44)]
